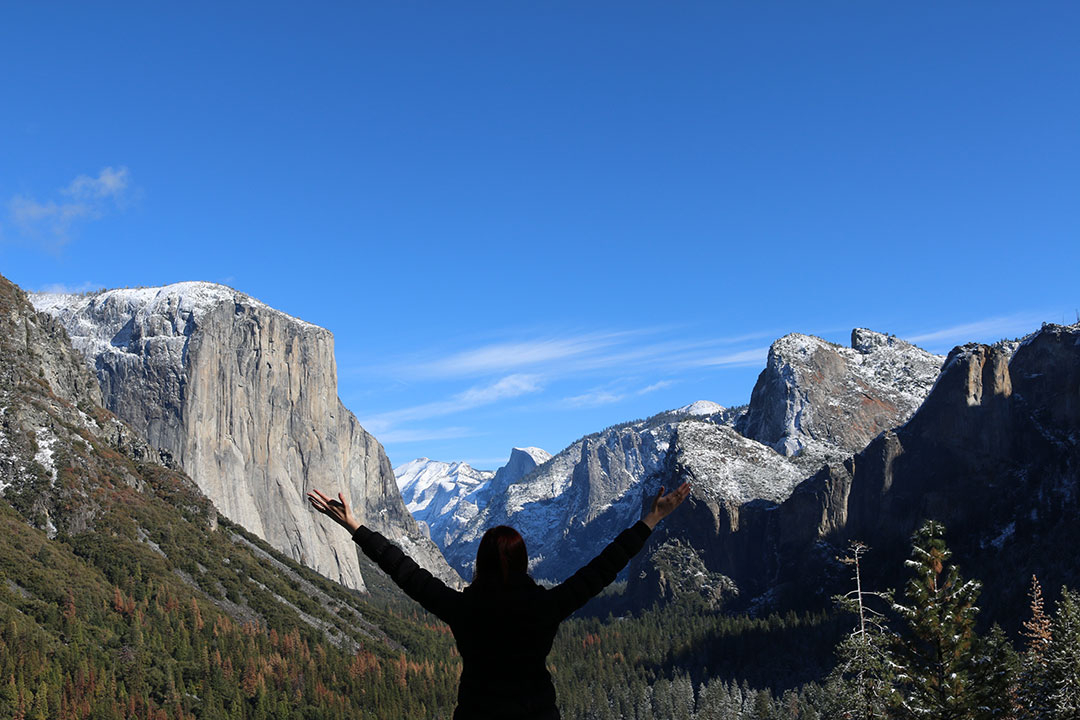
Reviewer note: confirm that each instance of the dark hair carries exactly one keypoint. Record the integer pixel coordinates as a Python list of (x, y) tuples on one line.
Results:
[(501, 557)]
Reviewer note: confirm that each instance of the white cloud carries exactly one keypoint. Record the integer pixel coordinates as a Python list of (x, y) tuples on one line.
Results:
[(991, 329), (508, 387), (109, 184), (593, 399), (645, 351), (403, 436), (655, 386), (609, 396), (502, 357), (86, 198), (754, 356)]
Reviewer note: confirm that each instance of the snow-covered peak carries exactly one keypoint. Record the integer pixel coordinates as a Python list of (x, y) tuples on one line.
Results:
[(417, 477), (701, 407), (539, 456)]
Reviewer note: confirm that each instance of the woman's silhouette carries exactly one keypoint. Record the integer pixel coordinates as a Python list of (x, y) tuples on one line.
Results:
[(504, 623)]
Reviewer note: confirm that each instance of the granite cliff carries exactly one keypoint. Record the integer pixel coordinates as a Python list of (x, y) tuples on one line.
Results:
[(244, 398), (822, 401)]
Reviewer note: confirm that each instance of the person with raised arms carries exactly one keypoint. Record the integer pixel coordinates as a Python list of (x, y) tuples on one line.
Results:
[(504, 622)]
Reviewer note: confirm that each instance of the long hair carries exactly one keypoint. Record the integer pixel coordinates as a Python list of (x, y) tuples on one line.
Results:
[(501, 557)]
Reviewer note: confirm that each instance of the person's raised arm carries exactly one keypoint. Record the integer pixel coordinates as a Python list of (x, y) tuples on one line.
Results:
[(663, 505), (418, 583), (601, 571)]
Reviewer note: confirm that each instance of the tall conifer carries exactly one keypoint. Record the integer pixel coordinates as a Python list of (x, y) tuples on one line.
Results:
[(935, 656)]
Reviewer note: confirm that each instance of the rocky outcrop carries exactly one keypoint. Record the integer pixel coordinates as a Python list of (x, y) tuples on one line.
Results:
[(522, 462), (58, 447), (822, 401), (244, 397), (993, 453)]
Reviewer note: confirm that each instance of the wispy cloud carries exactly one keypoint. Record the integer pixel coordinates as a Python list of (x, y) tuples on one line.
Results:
[(593, 399), (54, 221), (754, 356), (511, 386), (402, 437), (646, 350), (608, 396), (990, 329), (655, 386), (504, 357)]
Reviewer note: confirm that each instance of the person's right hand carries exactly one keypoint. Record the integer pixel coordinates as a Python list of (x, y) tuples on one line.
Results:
[(663, 505), (337, 510)]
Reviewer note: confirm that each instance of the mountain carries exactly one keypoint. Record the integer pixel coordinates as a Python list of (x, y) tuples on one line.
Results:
[(443, 496), (432, 490), (993, 453), (244, 398), (572, 504), (123, 593), (824, 401), (569, 506)]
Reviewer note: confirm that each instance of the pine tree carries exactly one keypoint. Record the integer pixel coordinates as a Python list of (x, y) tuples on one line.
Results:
[(1063, 658), (936, 654), (1033, 690), (995, 672), (861, 685)]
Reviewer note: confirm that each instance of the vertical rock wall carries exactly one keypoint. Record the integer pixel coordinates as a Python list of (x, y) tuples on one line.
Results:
[(245, 398)]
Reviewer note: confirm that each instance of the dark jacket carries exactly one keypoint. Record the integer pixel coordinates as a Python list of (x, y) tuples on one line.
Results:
[(504, 633)]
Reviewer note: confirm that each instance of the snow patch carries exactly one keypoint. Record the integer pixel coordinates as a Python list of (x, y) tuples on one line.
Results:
[(44, 455)]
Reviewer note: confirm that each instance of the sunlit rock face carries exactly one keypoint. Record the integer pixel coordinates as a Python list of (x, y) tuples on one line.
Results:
[(244, 398), (822, 401)]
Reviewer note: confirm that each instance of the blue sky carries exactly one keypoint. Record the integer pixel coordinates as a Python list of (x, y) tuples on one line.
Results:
[(524, 222)]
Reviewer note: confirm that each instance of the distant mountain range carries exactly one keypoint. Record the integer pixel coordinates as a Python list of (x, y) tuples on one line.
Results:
[(837, 443), (814, 402), (443, 497)]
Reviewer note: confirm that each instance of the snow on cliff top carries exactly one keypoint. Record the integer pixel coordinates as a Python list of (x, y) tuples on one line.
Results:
[(193, 297), (885, 360), (539, 455)]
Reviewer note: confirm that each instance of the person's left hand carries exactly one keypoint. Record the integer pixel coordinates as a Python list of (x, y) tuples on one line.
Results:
[(663, 505), (337, 510)]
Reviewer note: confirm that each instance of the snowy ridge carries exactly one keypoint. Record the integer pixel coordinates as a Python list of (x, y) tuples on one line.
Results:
[(104, 322), (432, 490), (725, 467), (446, 496), (572, 504)]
